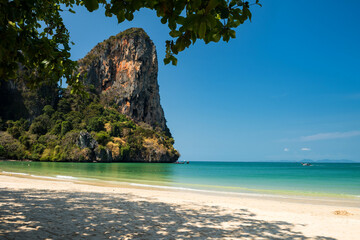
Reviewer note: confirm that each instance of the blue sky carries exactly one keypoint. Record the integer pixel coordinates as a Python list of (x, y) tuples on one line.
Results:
[(287, 88)]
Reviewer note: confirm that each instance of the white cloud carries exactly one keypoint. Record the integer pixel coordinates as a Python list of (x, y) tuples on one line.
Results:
[(305, 149), (330, 135), (286, 149)]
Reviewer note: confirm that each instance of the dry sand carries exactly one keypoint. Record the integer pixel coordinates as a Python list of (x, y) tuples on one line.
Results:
[(50, 209)]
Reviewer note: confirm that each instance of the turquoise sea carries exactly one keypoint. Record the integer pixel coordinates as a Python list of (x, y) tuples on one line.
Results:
[(340, 180)]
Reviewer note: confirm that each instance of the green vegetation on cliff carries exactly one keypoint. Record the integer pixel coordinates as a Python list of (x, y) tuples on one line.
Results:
[(83, 129)]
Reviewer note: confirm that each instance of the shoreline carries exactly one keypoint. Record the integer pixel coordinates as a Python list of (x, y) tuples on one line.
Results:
[(323, 199), (302, 219), (338, 200)]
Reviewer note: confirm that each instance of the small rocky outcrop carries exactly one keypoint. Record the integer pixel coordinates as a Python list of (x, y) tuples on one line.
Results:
[(123, 70), (86, 141), (94, 151), (103, 155)]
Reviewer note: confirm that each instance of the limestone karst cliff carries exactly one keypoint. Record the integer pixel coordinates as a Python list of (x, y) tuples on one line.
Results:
[(121, 120), (123, 70)]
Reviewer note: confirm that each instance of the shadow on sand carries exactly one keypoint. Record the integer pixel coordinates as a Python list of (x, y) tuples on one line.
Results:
[(40, 214)]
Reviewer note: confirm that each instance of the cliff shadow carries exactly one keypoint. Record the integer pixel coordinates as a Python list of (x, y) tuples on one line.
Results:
[(12, 103), (40, 214)]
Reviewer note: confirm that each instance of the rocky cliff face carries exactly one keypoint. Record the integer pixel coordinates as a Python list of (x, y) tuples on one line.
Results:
[(123, 70)]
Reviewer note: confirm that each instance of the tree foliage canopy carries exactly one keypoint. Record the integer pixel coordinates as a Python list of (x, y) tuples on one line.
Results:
[(35, 39)]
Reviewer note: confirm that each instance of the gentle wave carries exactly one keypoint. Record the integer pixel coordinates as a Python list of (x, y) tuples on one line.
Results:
[(266, 193), (57, 177), (15, 173), (66, 177), (45, 177), (201, 190)]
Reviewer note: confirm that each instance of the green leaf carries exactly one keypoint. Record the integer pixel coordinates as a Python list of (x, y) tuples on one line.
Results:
[(216, 37), (166, 61), (210, 21), (91, 5), (129, 16), (247, 13), (173, 60), (235, 23), (196, 4), (120, 17), (172, 24), (175, 33), (211, 5), (202, 29), (108, 13), (180, 44), (224, 13), (180, 20)]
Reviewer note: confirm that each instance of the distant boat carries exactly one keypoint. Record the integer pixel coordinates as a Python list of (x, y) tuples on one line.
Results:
[(306, 164), (183, 162)]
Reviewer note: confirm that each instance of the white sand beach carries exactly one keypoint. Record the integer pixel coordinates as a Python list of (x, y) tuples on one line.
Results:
[(49, 209)]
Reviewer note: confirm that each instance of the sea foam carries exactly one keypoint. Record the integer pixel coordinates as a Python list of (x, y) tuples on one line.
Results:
[(66, 177), (15, 173)]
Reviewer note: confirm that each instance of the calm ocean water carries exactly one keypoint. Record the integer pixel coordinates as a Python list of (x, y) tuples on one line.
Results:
[(320, 179)]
